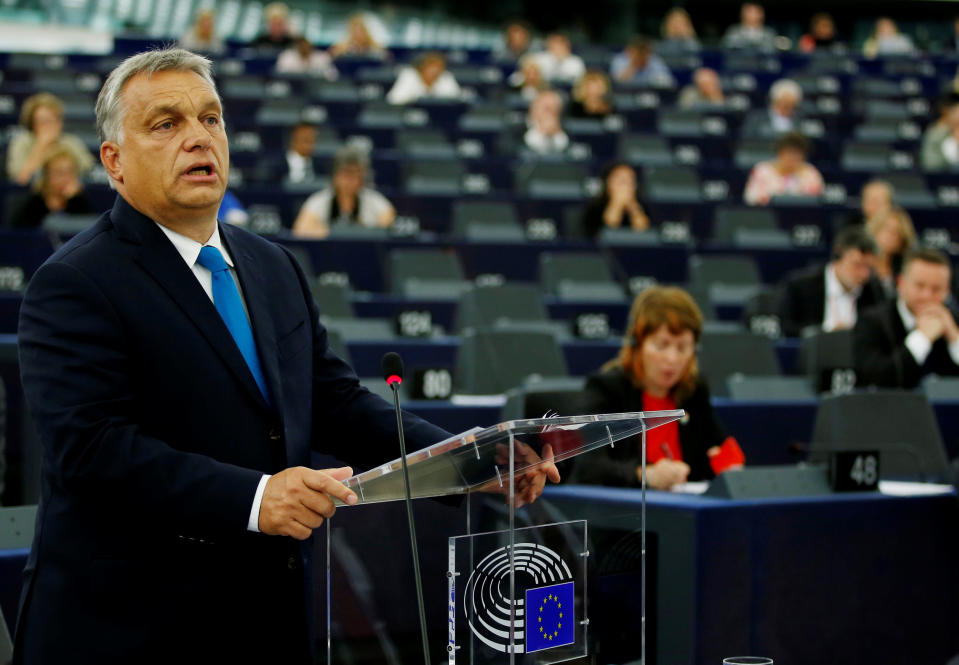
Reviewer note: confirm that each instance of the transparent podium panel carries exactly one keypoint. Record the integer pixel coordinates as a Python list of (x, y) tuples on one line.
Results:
[(498, 576), (523, 601), (481, 458)]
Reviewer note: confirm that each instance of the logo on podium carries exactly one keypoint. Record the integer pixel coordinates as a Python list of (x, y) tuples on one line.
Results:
[(543, 601)]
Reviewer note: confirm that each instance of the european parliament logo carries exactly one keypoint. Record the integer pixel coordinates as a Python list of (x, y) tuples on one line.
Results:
[(550, 619)]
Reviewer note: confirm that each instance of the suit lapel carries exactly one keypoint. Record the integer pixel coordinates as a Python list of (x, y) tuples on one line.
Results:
[(253, 276), (158, 257)]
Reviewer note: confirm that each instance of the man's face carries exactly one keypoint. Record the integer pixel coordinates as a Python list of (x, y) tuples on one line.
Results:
[(558, 45), (853, 268), (752, 15), (922, 284), (544, 113), (173, 160), (303, 140), (785, 104)]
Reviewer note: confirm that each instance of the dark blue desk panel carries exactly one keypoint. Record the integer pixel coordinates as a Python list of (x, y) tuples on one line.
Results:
[(859, 579)]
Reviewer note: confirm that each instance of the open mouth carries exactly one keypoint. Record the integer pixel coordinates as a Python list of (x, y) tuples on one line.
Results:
[(200, 170)]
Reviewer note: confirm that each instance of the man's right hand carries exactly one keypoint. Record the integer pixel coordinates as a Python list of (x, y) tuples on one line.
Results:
[(930, 323), (296, 501)]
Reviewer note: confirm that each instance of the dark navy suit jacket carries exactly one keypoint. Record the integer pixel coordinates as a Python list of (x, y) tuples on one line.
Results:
[(155, 437)]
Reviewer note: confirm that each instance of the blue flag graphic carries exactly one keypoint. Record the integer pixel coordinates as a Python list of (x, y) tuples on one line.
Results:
[(550, 617)]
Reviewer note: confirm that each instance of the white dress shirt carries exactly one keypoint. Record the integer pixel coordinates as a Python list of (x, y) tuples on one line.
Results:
[(840, 311), (569, 69), (189, 249), (918, 344), (409, 87), (300, 167)]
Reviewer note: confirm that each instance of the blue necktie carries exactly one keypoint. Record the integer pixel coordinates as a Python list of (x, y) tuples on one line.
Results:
[(226, 298)]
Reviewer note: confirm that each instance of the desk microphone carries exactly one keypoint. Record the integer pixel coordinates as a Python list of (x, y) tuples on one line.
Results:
[(393, 375)]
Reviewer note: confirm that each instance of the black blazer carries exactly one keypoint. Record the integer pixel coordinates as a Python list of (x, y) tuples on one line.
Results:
[(612, 392), (803, 301), (155, 437), (882, 358)]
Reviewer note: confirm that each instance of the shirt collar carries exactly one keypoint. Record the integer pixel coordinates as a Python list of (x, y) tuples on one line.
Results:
[(834, 288), (908, 318), (189, 248)]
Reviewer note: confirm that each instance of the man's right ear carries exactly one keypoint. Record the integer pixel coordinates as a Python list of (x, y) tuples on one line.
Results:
[(110, 158)]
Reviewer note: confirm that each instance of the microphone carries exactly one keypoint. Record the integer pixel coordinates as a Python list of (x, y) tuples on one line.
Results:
[(392, 366)]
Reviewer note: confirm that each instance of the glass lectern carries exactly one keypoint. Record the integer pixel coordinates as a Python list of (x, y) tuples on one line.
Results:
[(519, 594)]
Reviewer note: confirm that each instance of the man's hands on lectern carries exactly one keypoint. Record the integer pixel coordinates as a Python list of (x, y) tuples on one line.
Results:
[(528, 484), (296, 501)]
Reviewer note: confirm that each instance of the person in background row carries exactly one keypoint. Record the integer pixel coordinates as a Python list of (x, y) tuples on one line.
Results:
[(591, 96), (832, 297), (298, 164), (428, 77), (677, 31), (821, 35), (895, 237), (897, 343), (705, 90), (940, 147), (58, 189), (782, 115), (557, 62), (201, 36), (875, 199), (277, 35), (517, 41), (751, 31), (887, 40), (656, 370), (41, 120), (544, 134), (789, 174), (304, 58), (638, 64), (346, 201), (528, 79), (617, 204), (231, 210), (358, 42)]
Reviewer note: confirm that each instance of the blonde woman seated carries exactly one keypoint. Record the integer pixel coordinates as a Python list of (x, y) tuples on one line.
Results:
[(346, 201), (57, 189), (41, 119), (788, 174), (427, 78), (895, 237), (358, 41), (591, 96), (656, 370)]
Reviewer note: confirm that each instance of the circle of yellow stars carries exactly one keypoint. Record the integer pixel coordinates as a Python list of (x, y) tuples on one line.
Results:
[(559, 624)]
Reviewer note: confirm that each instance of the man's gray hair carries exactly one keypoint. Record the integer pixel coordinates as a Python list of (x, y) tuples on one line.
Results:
[(110, 110), (785, 87)]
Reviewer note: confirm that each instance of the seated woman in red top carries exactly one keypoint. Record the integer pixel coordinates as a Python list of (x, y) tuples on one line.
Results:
[(656, 370)]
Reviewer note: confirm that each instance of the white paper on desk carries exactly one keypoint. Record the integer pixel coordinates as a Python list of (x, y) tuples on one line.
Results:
[(901, 488), (696, 487)]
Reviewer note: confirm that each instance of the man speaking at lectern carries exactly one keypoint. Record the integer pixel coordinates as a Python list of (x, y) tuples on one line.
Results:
[(179, 378)]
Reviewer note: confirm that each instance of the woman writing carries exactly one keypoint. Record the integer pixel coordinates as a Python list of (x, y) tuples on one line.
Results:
[(656, 370)]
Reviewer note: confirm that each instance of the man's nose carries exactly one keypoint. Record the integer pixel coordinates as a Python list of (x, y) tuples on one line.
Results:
[(198, 136)]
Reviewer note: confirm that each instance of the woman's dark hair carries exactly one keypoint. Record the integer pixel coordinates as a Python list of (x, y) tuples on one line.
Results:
[(792, 141), (604, 178)]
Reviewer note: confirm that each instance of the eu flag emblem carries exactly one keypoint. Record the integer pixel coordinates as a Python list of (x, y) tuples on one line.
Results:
[(550, 619)]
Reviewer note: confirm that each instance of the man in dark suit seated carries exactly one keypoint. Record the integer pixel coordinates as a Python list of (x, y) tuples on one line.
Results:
[(832, 297), (899, 342), (179, 378), (298, 165)]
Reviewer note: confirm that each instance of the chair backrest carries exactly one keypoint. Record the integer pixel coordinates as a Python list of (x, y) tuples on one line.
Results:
[(556, 177), (769, 388), (646, 150), (467, 214), (899, 424), (493, 361), (332, 299), (730, 219), (826, 358), (485, 306), (534, 399), (436, 265), (558, 267), (707, 270), (723, 354)]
